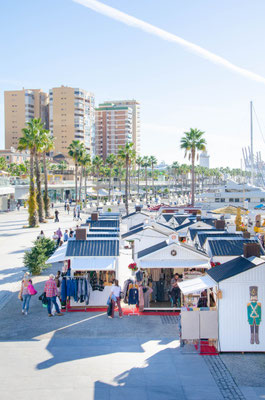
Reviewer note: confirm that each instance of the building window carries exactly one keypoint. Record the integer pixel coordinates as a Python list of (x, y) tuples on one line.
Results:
[(231, 200), (222, 200), (236, 200)]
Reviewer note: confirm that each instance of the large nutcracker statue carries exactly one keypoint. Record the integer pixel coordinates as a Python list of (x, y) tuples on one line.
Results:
[(254, 315)]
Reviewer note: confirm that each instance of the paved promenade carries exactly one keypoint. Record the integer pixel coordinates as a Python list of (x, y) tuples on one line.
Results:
[(87, 356)]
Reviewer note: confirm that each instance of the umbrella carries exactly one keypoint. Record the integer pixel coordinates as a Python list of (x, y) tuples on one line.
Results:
[(229, 210)]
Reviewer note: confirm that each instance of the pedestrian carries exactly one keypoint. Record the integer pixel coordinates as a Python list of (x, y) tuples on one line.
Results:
[(65, 236), (65, 206), (52, 204), (115, 297), (18, 205), (70, 201), (41, 235), (78, 214), (56, 212), (58, 281), (60, 235), (175, 290), (24, 294), (68, 208), (55, 237), (51, 293), (74, 214), (71, 232)]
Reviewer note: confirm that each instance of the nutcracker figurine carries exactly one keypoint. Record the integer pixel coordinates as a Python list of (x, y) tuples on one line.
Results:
[(254, 314)]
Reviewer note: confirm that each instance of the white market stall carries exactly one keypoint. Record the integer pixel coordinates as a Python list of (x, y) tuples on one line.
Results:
[(93, 267), (161, 261), (240, 288)]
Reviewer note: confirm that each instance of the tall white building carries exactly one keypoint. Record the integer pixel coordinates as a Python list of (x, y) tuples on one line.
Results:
[(204, 159)]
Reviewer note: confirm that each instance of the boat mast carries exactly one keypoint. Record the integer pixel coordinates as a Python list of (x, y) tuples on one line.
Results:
[(251, 145)]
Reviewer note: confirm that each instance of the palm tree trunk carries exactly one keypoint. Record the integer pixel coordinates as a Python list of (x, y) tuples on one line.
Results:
[(76, 168), (192, 177), (120, 180), (126, 185), (153, 188), (32, 205), (109, 183), (97, 189), (138, 185), (146, 184), (46, 196), (129, 181), (81, 181), (85, 187), (38, 182)]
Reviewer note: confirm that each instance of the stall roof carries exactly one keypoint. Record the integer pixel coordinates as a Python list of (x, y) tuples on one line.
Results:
[(136, 226), (152, 249), (174, 263), (99, 230), (92, 235), (202, 236), (58, 255), (134, 213), (196, 284), (92, 248), (130, 233), (193, 231), (180, 219), (219, 247), (104, 223), (167, 217), (93, 264), (183, 226), (232, 268)]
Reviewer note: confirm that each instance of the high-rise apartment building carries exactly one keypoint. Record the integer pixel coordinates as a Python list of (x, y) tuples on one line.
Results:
[(135, 106), (20, 107), (72, 117), (113, 128), (117, 123)]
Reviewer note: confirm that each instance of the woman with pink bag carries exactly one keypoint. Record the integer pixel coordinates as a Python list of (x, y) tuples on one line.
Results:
[(26, 291)]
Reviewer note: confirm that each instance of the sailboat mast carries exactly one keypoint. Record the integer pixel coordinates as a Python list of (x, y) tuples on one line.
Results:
[(251, 144)]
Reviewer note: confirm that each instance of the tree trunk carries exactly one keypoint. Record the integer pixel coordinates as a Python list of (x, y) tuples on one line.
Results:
[(81, 181), (76, 169), (97, 188), (153, 188), (85, 187), (38, 183), (109, 183), (32, 205), (192, 177), (46, 196), (126, 185), (138, 185), (146, 184), (129, 181)]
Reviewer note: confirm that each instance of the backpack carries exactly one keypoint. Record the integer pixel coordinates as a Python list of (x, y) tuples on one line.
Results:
[(31, 289)]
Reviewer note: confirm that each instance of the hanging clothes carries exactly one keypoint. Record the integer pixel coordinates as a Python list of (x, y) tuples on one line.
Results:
[(146, 292), (63, 290), (133, 296)]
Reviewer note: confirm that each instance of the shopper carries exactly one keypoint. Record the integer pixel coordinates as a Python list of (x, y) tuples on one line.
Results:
[(65, 236), (175, 290), (68, 208), (51, 293), (65, 205), (41, 235), (58, 281), (56, 212), (24, 294), (55, 237), (60, 235), (74, 214), (115, 297)]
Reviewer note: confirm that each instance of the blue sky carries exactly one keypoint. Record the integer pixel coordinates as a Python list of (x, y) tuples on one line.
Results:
[(47, 43)]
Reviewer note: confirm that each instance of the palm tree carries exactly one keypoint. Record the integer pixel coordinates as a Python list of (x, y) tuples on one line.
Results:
[(126, 153), (119, 169), (48, 146), (138, 161), (193, 142), (28, 142), (110, 161), (153, 162), (62, 166), (74, 150), (85, 162), (97, 164), (82, 153), (145, 164), (3, 164)]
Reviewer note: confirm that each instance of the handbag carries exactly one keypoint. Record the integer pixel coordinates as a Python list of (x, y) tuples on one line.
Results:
[(109, 310), (32, 290), (20, 296)]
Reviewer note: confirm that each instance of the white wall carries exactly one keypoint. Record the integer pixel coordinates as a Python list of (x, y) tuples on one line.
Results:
[(234, 330)]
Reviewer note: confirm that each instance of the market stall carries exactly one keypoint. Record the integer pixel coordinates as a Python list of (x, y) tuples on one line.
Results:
[(159, 265), (92, 266), (239, 285)]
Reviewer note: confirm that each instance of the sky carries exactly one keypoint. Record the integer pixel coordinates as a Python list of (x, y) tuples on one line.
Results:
[(49, 43)]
